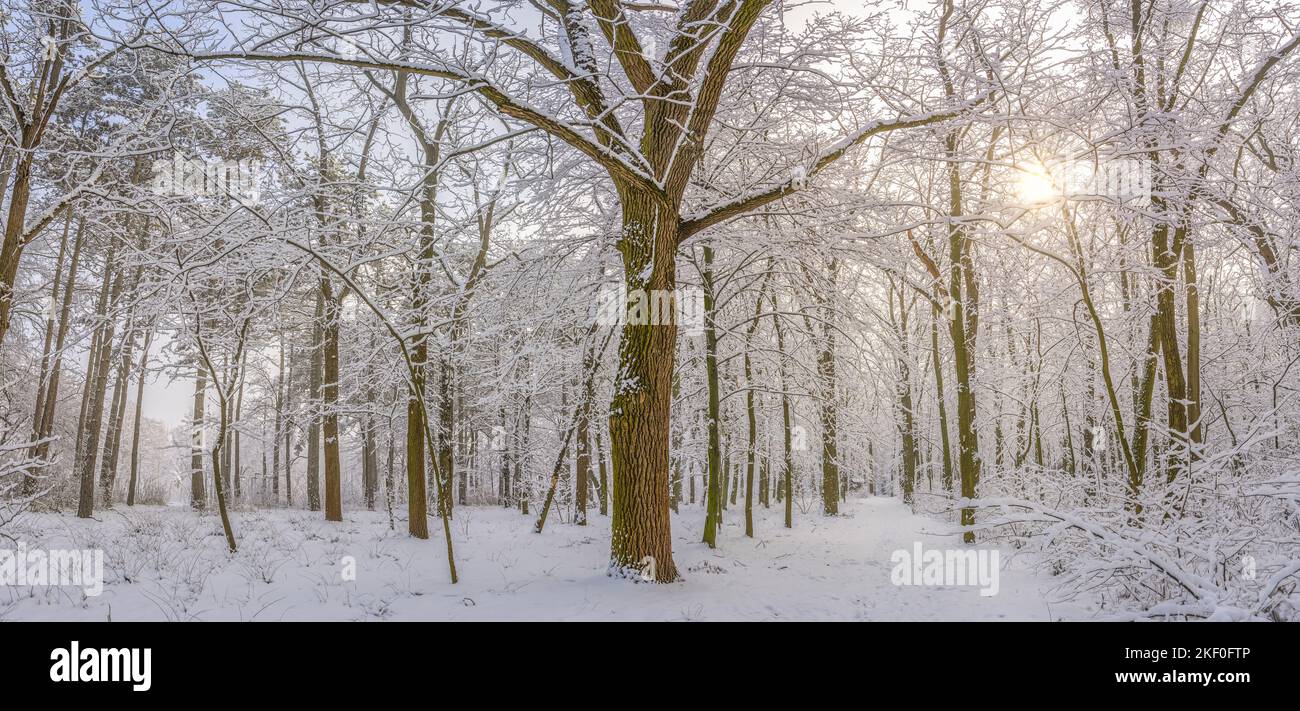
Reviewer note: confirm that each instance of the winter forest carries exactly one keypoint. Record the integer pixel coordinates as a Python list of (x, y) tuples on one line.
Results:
[(666, 309)]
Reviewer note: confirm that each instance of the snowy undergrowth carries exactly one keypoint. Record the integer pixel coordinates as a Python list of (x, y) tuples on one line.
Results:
[(1220, 542), (171, 564)]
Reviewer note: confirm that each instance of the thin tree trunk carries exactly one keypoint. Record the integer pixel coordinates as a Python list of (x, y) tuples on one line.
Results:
[(829, 414), (314, 398), (604, 475), (330, 394), (48, 357), (583, 463), (279, 425), (369, 460), (715, 495), (288, 433), (139, 409), (940, 398), (95, 409), (117, 415), (46, 416), (750, 416), (236, 462), (787, 474), (906, 412), (446, 431), (197, 495), (389, 479), (12, 248)]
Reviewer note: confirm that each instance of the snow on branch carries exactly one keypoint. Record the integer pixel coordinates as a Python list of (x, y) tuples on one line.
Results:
[(799, 178), (507, 105), (18, 472), (1125, 546)]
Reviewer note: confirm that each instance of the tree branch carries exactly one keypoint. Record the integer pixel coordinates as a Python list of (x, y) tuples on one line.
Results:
[(507, 105), (752, 201)]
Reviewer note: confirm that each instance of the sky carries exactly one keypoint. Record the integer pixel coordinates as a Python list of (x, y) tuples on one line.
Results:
[(164, 400)]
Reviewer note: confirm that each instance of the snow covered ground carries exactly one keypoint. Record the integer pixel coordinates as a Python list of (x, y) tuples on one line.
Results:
[(170, 564)]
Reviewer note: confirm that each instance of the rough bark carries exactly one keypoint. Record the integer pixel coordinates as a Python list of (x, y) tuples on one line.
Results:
[(640, 411)]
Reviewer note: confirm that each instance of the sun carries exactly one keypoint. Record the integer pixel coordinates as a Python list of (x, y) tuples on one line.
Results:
[(1035, 186)]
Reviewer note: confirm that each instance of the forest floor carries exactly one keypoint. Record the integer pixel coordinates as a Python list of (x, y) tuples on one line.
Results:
[(167, 563)]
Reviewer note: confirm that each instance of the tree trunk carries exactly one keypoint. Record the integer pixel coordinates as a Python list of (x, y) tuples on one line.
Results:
[(139, 409), (117, 415), (288, 434), (829, 412), (446, 431), (236, 467), (314, 399), (389, 478), (583, 462), (787, 474), (416, 498), (12, 248), (604, 475), (962, 327), (46, 415), (217, 484), (906, 413), (330, 395), (750, 416), (1193, 347), (940, 399), (715, 495), (47, 352), (369, 461), (279, 425), (1165, 258), (95, 409), (640, 411), (197, 496)]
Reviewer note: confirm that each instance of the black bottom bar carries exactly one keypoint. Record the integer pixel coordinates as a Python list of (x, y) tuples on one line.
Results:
[(535, 661)]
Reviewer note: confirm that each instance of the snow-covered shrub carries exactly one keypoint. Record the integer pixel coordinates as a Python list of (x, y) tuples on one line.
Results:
[(1221, 541), (15, 496)]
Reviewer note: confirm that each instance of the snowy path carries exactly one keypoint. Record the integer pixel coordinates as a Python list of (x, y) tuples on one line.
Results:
[(170, 564)]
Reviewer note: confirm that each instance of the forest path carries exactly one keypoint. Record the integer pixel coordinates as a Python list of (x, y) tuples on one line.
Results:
[(838, 569)]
